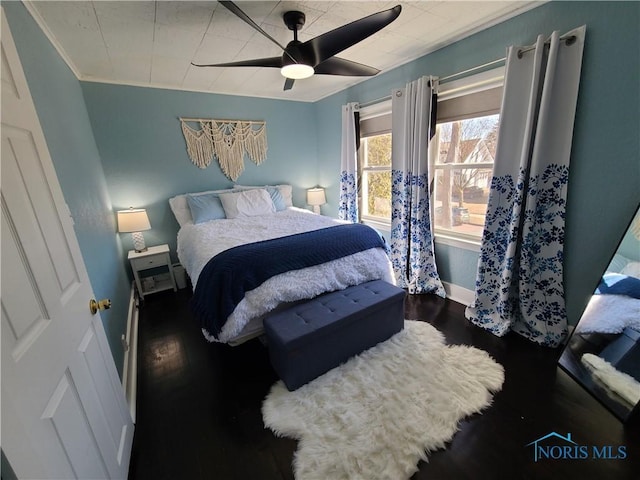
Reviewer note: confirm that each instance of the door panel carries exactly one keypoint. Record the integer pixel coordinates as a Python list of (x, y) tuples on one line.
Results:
[(28, 187), (68, 418), (23, 307)]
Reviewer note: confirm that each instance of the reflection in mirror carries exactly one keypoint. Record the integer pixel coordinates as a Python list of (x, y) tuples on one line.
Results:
[(603, 354)]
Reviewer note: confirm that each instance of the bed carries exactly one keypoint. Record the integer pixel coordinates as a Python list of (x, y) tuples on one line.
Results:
[(231, 228), (615, 304)]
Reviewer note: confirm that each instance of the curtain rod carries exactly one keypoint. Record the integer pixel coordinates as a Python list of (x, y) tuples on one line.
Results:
[(472, 69), (185, 119), (569, 40), (441, 80), (373, 102)]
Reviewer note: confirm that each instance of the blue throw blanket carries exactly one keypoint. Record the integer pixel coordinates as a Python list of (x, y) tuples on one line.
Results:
[(227, 276), (618, 284)]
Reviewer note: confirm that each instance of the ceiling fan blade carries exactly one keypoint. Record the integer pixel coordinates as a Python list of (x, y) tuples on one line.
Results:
[(328, 44), (275, 62), (341, 66), (288, 84), (233, 8)]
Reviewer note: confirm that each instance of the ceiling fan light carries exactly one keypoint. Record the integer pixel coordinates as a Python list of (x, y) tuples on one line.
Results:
[(296, 71)]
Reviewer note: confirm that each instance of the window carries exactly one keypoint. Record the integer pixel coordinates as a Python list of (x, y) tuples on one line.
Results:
[(374, 157), (376, 177), (466, 139), (463, 171)]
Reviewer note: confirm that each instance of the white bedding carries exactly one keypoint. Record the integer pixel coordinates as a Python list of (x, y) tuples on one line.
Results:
[(197, 244), (610, 314)]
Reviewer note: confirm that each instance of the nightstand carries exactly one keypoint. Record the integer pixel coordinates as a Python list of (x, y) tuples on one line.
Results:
[(153, 257)]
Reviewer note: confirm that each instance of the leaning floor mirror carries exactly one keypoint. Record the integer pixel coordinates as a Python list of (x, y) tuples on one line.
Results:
[(603, 353)]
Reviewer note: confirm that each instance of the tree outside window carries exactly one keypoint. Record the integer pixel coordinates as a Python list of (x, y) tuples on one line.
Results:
[(375, 154)]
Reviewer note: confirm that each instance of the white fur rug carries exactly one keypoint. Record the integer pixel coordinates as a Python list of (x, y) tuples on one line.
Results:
[(375, 416), (613, 379)]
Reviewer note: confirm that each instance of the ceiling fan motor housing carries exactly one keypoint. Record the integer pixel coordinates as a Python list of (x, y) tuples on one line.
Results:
[(294, 20), (293, 54), (294, 63)]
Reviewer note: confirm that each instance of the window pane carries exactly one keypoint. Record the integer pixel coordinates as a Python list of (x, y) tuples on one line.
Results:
[(376, 176), (465, 199), (376, 197), (468, 141), (378, 151), (462, 189)]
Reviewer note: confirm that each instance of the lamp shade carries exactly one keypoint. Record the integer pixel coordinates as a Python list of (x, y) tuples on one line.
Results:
[(133, 220), (316, 196)]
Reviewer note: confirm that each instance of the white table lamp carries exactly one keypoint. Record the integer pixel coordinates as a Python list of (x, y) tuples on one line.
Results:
[(315, 198), (134, 220)]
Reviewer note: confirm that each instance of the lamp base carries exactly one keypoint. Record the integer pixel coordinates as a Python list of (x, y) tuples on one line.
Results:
[(138, 242), (316, 209)]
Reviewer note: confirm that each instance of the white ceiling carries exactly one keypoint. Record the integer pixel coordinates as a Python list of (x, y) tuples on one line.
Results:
[(152, 43)]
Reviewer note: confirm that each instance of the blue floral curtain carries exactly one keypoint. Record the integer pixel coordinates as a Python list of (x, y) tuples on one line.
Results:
[(413, 126), (348, 205), (519, 284)]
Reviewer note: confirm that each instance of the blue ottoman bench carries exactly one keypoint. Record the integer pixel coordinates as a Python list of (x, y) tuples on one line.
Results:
[(311, 338)]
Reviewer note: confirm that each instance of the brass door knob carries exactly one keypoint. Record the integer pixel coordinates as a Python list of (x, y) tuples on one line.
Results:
[(104, 304)]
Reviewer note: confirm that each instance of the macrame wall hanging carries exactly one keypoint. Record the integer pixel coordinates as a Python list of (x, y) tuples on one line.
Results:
[(228, 141)]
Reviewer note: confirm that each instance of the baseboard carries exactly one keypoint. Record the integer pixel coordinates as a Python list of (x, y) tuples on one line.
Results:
[(130, 344), (458, 294)]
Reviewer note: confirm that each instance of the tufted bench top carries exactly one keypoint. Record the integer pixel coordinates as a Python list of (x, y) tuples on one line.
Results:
[(309, 339), (320, 316)]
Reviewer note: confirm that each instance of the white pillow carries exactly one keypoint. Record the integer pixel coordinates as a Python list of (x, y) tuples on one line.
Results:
[(632, 269), (285, 190), (247, 203), (180, 207)]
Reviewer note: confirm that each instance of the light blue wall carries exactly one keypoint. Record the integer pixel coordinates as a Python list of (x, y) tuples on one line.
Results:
[(62, 112), (144, 157), (144, 154), (604, 186)]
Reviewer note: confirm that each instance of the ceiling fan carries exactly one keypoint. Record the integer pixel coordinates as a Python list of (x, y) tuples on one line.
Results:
[(303, 59)]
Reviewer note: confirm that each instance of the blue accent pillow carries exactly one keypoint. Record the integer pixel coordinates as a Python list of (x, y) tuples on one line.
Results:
[(205, 207), (277, 198)]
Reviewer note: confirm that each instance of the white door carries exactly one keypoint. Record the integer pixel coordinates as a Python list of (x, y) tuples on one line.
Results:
[(64, 414)]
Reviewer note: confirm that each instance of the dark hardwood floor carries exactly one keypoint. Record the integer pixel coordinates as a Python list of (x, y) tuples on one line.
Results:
[(198, 407)]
